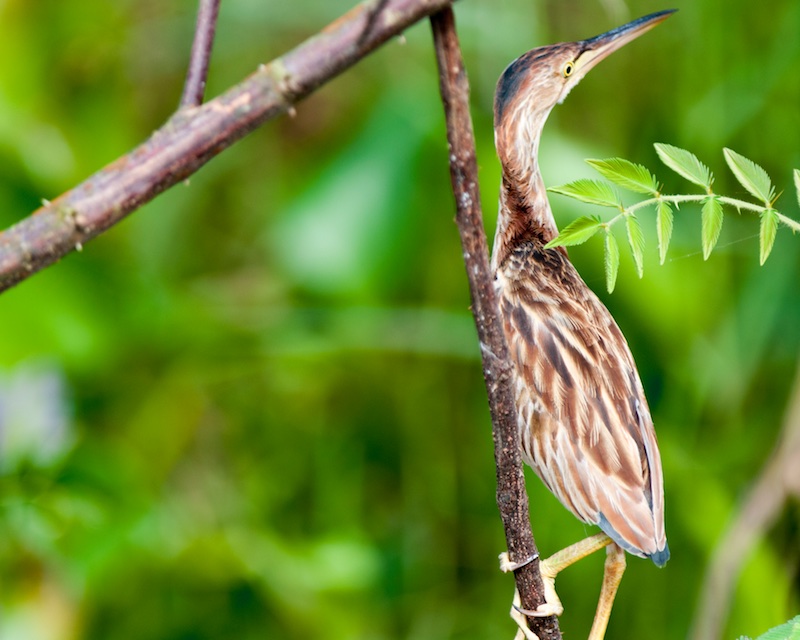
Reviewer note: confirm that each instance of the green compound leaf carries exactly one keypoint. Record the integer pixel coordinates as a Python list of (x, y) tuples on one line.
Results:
[(769, 227), (711, 224), (626, 174), (612, 261), (751, 176), (576, 232), (664, 227), (636, 240), (685, 164), (591, 191)]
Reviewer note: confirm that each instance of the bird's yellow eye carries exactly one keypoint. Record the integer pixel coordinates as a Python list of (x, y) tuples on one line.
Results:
[(568, 69)]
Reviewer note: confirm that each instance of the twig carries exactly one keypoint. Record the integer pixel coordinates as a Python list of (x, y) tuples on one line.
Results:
[(373, 16), (195, 86), (512, 498), (778, 481), (193, 136)]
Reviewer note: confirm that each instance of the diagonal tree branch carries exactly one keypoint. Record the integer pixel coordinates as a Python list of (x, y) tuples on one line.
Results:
[(195, 87), (512, 498), (193, 136)]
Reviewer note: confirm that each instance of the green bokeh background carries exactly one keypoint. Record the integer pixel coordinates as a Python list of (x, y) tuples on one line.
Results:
[(255, 409)]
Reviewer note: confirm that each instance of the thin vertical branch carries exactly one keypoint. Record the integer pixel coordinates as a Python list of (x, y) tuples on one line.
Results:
[(512, 498), (195, 86), (374, 13)]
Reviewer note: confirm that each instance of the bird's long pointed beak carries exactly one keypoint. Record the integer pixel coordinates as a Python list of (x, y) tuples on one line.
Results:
[(600, 47)]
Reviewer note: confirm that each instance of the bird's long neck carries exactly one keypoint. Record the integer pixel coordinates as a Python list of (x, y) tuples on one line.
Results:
[(524, 212)]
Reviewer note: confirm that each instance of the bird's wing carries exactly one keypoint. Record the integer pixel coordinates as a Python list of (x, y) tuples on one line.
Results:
[(585, 424)]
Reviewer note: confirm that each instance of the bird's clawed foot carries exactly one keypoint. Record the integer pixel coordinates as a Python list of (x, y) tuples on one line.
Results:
[(551, 567), (506, 566), (550, 607), (524, 632)]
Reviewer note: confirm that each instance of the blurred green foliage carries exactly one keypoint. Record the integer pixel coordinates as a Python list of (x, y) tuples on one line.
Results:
[(255, 409)]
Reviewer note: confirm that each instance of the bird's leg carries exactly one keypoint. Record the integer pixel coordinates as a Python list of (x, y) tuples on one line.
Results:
[(555, 564), (612, 574)]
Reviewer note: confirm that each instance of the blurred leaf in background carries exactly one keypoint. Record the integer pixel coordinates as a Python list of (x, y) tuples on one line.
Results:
[(255, 408)]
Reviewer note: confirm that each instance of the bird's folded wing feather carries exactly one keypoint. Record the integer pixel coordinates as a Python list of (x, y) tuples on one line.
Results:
[(585, 425)]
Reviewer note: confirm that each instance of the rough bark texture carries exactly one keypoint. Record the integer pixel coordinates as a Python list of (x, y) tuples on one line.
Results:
[(193, 136), (512, 498)]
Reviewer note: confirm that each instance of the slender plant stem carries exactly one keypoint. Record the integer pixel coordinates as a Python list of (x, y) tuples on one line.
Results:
[(794, 225), (678, 199), (512, 499), (195, 86), (191, 137)]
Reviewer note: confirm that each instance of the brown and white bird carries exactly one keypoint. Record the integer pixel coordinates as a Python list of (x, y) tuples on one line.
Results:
[(584, 424)]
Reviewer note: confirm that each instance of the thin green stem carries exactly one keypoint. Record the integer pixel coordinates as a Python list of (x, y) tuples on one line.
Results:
[(619, 216), (741, 204), (733, 202), (625, 212), (794, 225)]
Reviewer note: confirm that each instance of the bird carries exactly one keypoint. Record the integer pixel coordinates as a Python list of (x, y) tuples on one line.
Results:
[(583, 420)]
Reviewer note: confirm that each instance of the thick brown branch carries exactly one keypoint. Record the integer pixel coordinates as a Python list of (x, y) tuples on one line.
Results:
[(195, 87), (194, 135), (512, 498)]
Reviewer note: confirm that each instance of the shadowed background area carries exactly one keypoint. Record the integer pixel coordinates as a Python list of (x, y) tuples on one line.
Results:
[(255, 408)]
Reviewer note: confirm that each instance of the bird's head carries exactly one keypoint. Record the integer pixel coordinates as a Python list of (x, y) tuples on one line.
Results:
[(538, 80)]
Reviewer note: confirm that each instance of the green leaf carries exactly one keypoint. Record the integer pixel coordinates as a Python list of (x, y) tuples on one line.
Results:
[(626, 174), (711, 224), (797, 184), (664, 227), (636, 240), (786, 631), (769, 227), (591, 191), (576, 232), (612, 260), (751, 176), (685, 164)]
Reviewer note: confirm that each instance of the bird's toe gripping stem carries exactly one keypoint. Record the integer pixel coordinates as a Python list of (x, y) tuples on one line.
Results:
[(551, 607), (506, 566)]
